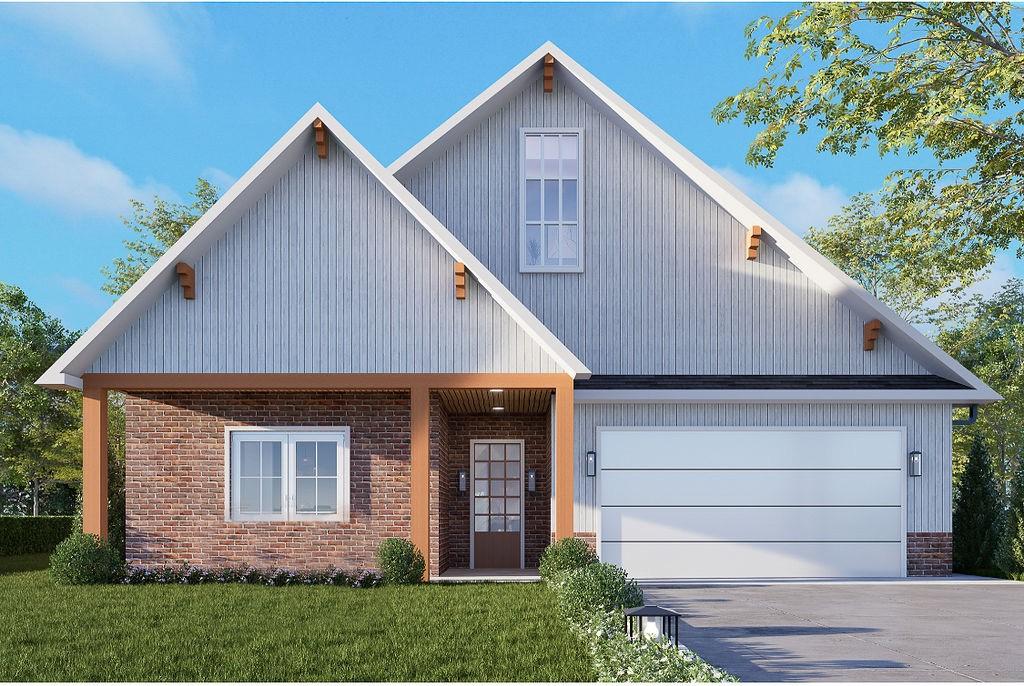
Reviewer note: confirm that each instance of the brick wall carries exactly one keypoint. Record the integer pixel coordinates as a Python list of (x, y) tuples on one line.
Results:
[(534, 431), (174, 477), (929, 553), (442, 490)]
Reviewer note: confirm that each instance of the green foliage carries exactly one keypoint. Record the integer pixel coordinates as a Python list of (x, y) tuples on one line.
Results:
[(400, 562), (39, 427), (936, 79), (618, 658), (565, 555), (597, 587), (84, 559), (22, 535), (976, 512), (1010, 553), (156, 229)]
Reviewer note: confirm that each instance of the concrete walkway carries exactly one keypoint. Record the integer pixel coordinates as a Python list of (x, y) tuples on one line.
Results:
[(884, 631)]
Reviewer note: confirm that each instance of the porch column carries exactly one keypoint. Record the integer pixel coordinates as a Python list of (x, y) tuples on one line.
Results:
[(419, 495), (94, 460), (564, 489)]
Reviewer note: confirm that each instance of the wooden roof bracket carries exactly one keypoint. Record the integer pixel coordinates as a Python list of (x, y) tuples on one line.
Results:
[(460, 281), (753, 242), (871, 331), (320, 135), (186, 279), (549, 73)]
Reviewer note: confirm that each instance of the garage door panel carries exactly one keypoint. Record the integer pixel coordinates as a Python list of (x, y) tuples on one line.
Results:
[(751, 524), (749, 487), (710, 449), (755, 560)]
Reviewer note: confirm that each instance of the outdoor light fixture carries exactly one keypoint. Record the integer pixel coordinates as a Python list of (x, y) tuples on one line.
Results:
[(497, 390), (463, 480), (531, 480), (498, 408), (914, 463), (654, 623), (591, 463)]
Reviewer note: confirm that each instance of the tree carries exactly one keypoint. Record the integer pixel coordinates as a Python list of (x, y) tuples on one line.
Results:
[(39, 428), (919, 275), (156, 230), (1010, 554), (940, 83), (976, 512)]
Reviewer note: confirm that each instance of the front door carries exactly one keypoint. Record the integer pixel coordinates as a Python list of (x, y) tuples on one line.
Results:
[(497, 523)]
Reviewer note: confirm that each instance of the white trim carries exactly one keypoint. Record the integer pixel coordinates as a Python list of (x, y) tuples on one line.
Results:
[(788, 395), (522, 221), (66, 371), (601, 429), (288, 436), (522, 496), (817, 268)]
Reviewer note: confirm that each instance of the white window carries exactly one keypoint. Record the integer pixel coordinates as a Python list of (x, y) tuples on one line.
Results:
[(288, 475), (550, 194)]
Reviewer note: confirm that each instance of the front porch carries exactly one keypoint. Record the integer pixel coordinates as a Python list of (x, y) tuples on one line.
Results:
[(501, 576)]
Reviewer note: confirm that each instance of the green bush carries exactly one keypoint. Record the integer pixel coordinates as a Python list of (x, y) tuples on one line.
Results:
[(400, 562), (565, 555), (977, 512), (22, 535), (1010, 553), (84, 559), (596, 588)]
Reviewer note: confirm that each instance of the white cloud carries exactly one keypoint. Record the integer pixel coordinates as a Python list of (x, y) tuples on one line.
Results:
[(85, 293), (55, 172), (799, 200), (219, 178), (127, 35)]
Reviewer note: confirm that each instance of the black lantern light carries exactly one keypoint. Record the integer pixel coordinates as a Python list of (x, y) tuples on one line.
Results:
[(653, 622)]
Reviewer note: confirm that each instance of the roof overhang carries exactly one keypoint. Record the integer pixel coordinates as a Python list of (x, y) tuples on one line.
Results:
[(729, 395), (814, 265)]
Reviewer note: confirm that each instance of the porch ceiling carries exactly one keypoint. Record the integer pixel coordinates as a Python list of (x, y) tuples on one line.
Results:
[(483, 401)]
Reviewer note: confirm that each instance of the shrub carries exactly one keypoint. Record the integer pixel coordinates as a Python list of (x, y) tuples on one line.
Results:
[(596, 588), (565, 555), (976, 512), (84, 559), (22, 535), (189, 575), (1010, 554), (400, 562)]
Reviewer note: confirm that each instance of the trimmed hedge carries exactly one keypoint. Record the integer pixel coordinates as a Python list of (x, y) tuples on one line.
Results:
[(188, 575), (22, 535)]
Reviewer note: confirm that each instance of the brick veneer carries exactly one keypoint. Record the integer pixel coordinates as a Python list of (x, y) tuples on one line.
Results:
[(174, 478), (929, 553)]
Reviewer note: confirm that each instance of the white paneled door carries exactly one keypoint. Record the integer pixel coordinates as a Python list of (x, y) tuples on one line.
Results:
[(736, 503)]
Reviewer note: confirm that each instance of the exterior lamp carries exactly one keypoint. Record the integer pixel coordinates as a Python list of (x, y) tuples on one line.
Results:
[(653, 622), (914, 463), (463, 480), (591, 463), (531, 480)]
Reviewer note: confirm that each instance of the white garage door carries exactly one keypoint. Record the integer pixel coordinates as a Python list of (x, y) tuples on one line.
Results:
[(752, 503)]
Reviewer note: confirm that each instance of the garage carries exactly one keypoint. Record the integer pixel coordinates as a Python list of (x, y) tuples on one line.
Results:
[(734, 503)]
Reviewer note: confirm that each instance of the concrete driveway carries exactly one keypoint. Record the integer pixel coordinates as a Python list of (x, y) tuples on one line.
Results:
[(959, 630)]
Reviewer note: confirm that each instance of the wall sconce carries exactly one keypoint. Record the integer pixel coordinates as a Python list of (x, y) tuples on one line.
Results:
[(591, 463), (463, 480), (914, 463), (531, 480)]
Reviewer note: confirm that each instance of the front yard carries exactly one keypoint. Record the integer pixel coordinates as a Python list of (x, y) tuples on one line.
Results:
[(472, 632)]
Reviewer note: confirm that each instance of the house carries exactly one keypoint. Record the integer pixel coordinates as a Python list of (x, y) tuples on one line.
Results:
[(546, 319)]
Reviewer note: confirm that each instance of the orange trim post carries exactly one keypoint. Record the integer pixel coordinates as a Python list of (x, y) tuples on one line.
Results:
[(419, 492), (94, 461), (564, 430)]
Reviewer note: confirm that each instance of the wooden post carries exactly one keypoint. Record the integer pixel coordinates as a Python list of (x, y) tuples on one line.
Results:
[(94, 461), (564, 482), (419, 495)]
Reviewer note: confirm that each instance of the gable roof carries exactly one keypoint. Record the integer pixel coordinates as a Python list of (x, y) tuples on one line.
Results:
[(66, 371), (808, 260)]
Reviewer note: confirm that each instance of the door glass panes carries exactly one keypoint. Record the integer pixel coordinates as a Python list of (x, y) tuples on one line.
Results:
[(260, 476), (497, 504), (551, 200)]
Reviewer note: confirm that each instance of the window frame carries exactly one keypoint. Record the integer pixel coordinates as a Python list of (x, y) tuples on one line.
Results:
[(561, 268), (289, 435)]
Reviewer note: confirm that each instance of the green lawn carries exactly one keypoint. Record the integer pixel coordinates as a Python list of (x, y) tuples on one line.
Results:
[(476, 632)]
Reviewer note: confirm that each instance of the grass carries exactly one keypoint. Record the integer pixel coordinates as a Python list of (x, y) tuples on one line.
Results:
[(468, 632)]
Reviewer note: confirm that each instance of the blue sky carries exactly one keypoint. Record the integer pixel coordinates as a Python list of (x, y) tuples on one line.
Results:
[(100, 104)]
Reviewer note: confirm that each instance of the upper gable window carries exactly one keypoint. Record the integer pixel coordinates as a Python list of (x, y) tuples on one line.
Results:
[(551, 237)]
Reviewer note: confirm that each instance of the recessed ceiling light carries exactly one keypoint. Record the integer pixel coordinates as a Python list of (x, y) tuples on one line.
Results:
[(498, 408), (497, 390)]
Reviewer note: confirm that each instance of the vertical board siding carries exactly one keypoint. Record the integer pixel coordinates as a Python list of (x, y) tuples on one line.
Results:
[(928, 426), (666, 287), (327, 272)]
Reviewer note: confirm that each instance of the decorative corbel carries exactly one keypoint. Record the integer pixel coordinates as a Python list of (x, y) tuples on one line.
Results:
[(871, 331), (186, 279), (753, 242), (320, 135), (549, 73), (460, 281)]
